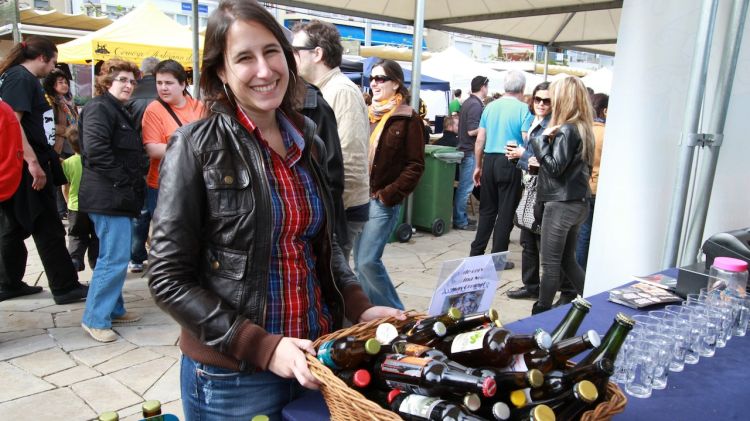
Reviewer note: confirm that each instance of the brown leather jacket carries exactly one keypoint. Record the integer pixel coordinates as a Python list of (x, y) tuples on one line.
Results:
[(399, 158)]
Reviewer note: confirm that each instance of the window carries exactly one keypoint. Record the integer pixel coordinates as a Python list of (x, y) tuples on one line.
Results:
[(181, 19), (41, 4)]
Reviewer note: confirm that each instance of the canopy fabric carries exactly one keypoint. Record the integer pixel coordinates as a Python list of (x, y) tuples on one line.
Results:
[(584, 25), (63, 20), (600, 81), (144, 32)]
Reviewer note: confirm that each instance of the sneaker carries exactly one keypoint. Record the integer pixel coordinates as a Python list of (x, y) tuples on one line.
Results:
[(509, 265), (78, 293), (128, 317), (135, 267), (100, 335), (7, 294), (521, 293)]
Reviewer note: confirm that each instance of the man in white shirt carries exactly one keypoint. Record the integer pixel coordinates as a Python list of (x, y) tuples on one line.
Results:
[(318, 52)]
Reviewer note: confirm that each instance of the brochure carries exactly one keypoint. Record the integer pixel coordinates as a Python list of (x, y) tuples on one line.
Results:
[(659, 280), (642, 295)]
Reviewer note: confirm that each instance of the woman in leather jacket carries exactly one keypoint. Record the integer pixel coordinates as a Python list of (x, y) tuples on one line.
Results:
[(242, 254), (396, 163), (565, 151)]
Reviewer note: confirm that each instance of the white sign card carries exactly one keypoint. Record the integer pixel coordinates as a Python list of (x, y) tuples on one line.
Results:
[(468, 284)]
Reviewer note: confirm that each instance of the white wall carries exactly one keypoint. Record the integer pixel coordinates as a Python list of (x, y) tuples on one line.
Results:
[(646, 112)]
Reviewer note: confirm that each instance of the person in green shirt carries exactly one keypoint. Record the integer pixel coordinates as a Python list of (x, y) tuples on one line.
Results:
[(81, 235), (455, 105)]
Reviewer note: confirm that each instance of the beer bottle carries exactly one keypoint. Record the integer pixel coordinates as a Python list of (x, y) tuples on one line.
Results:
[(494, 346), (451, 316), (423, 351), (472, 321), (613, 340), (356, 379), (260, 418), (499, 411), (557, 382), (533, 413), (413, 407), (348, 352), (428, 377), (511, 380), (151, 409), (108, 416), (583, 397), (424, 335), (572, 321), (562, 351)]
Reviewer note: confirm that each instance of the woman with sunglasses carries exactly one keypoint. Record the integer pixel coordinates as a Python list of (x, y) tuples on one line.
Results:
[(242, 251), (396, 159), (111, 192), (565, 151)]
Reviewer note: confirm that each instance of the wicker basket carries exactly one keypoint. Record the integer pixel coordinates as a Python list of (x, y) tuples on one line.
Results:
[(346, 404)]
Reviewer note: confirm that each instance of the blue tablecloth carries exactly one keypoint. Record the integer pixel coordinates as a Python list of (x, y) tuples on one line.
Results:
[(713, 389)]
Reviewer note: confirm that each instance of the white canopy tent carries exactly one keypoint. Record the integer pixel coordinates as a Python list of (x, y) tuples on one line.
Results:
[(599, 81)]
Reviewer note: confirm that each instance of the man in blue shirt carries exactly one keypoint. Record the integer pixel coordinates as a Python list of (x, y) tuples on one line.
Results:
[(499, 179)]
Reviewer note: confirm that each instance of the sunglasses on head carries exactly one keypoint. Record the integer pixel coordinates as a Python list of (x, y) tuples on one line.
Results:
[(380, 78), (545, 101)]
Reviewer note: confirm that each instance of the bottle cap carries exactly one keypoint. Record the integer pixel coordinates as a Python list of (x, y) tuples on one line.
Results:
[(518, 398), (386, 333), (542, 413), (493, 314), (535, 378), (260, 418), (593, 338), (454, 313), (625, 320), (501, 411), (582, 303), (497, 323), (543, 340), (361, 378), (730, 264), (606, 366), (392, 395), (439, 329), (399, 347), (151, 406), (472, 402), (109, 416), (586, 391), (489, 387), (372, 346)]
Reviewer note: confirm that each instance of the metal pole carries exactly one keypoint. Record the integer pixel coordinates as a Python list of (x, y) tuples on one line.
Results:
[(546, 62), (416, 73), (368, 33), (696, 90), (16, 29), (196, 52), (716, 121)]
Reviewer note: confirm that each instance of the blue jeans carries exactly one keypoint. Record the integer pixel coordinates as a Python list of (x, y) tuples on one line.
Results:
[(584, 236), (368, 255), (465, 186), (141, 224), (104, 300), (217, 394)]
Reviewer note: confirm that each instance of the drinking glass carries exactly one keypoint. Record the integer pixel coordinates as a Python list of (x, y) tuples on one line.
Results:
[(641, 368), (661, 346)]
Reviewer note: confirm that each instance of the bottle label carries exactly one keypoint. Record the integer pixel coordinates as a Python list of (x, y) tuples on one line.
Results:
[(419, 406), (469, 341), (415, 349), (325, 356), (517, 364), (408, 388), (404, 366)]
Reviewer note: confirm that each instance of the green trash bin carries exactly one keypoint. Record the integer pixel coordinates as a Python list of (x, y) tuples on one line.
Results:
[(433, 198), (402, 231)]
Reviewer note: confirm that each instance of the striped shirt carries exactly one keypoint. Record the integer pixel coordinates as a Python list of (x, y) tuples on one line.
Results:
[(294, 305)]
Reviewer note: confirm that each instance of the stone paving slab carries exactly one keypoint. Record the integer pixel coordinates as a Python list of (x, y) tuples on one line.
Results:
[(165, 334), (58, 404), (73, 375), (11, 321), (97, 355), (11, 336), (128, 359), (141, 377), (73, 338), (23, 383), (167, 388), (24, 346), (105, 394), (45, 362)]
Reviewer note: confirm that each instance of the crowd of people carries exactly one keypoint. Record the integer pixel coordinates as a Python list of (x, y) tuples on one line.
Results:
[(258, 197)]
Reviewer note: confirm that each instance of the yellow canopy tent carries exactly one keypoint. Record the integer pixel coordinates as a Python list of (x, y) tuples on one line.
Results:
[(144, 32)]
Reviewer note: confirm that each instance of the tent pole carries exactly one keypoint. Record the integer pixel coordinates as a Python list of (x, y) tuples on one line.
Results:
[(716, 121), (546, 62), (196, 52), (696, 92), (416, 74)]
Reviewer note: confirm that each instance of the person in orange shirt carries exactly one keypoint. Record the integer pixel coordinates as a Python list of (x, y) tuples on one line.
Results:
[(173, 109)]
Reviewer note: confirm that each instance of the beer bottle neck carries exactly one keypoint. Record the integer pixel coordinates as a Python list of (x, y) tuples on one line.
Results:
[(570, 324)]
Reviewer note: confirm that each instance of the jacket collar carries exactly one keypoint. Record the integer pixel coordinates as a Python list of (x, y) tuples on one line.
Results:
[(402, 110), (327, 77)]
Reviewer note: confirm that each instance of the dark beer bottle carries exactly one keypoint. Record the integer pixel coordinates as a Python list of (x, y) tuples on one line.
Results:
[(448, 318), (511, 380), (425, 335), (581, 400), (151, 408), (428, 377), (356, 379), (562, 351), (493, 346), (613, 340), (348, 352), (557, 382), (413, 407), (472, 321), (498, 411)]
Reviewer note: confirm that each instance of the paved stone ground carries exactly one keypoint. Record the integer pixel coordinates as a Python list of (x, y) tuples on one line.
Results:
[(51, 369)]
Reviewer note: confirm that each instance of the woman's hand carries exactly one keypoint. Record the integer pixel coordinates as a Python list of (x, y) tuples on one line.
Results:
[(550, 131), (533, 162), (514, 152), (289, 361), (378, 312)]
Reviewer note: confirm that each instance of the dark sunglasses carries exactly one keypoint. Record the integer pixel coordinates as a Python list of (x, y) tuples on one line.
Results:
[(380, 78), (545, 101), (297, 49)]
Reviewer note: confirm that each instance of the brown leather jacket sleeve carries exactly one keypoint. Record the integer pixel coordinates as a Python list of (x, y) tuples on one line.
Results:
[(395, 192)]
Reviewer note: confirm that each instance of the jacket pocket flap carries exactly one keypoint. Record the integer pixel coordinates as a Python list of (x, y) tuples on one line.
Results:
[(226, 263), (226, 178)]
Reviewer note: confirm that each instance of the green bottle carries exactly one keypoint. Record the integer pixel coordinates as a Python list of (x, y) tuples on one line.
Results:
[(612, 341), (569, 325)]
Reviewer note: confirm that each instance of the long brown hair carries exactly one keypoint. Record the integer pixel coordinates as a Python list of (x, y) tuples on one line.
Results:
[(30, 49), (394, 71), (571, 105), (214, 50)]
